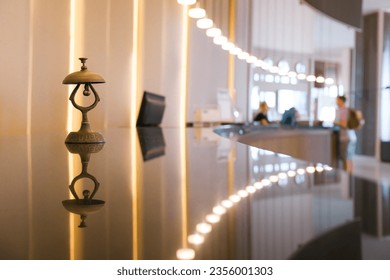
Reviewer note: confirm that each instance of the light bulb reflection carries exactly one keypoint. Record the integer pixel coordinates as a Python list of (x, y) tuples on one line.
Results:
[(213, 218), (242, 193), (203, 228), (227, 203), (258, 185), (185, 254), (234, 198), (195, 239), (251, 189), (273, 178), (219, 210), (266, 182)]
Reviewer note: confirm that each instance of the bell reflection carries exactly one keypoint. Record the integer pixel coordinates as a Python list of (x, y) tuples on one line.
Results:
[(86, 204)]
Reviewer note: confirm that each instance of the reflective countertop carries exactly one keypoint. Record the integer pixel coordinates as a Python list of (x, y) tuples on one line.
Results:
[(168, 193)]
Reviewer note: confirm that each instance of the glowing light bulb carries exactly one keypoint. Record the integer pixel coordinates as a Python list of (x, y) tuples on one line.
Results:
[(311, 78), (301, 171), (213, 32), (329, 81), (228, 46), (235, 51), (251, 59), (243, 55), (220, 40), (320, 80), (291, 173), (319, 169), (204, 23), (310, 169), (196, 12)]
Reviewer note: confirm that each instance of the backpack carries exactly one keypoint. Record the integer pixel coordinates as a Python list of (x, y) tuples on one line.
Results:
[(355, 119)]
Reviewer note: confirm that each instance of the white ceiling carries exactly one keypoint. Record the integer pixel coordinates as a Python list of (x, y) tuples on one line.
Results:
[(370, 6)]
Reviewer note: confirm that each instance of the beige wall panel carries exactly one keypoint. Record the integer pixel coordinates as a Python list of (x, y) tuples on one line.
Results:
[(14, 49)]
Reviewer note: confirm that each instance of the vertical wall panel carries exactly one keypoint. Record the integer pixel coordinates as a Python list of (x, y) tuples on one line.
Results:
[(50, 63), (14, 49)]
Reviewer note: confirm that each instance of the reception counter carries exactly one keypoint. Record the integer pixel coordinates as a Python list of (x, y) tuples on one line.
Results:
[(163, 194)]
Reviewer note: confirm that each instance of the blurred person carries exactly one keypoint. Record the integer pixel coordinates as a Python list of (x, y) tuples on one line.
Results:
[(347, 137), (262, 116)]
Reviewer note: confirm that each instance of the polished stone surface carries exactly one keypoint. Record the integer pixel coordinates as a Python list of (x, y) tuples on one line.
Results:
[(168, 189)]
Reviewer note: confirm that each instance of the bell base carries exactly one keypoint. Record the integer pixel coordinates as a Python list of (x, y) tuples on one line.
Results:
[(81, 137)]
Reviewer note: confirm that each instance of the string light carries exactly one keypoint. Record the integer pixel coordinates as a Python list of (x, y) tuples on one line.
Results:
[(219, 39)]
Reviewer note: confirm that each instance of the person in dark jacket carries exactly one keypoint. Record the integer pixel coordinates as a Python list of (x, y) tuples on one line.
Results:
[(262, 117)]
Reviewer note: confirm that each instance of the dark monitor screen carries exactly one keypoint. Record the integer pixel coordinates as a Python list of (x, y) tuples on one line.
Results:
[(152, 109), (152, 142)]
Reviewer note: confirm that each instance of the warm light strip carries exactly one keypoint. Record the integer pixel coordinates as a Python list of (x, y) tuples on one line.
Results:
[(72, 29), (184, 68), (137, 10), (183, 150), (28, 131)]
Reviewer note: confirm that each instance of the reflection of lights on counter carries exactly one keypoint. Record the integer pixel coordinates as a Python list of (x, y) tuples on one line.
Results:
[(213, 218), (219, 210), (195, 239), (227, 203), (258, 185), (280, 179), (242, 193), (234, 198), (203, 228), (282, 176), (266, 182), (250, 189), (185, 254)]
